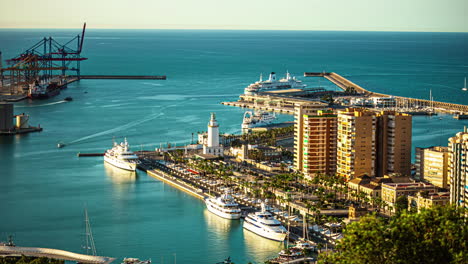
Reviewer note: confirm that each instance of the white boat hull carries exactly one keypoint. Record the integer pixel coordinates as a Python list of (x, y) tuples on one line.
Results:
[(120, 163), (264, 232), (217, 212)]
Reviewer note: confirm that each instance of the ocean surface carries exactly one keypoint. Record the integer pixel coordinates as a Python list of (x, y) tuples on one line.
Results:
[(44, 190)]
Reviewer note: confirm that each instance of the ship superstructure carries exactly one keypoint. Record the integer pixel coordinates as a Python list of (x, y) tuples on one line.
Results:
[(121, 156), (224, 206), (264, 224), (256, 119), (273, 84)]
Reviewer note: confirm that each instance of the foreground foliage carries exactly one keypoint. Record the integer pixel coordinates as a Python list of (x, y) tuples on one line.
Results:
[(29, 260), (438, 235)]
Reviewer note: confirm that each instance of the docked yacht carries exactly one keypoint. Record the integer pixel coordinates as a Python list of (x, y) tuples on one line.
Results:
[(258, 118), (273, 84), (264, 224), (224, 206), (122, 157)]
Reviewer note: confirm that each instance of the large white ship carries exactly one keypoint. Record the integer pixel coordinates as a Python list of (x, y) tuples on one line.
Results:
[(273, 84), (258, 118), (224, 206), (264, 224), (122, 157)]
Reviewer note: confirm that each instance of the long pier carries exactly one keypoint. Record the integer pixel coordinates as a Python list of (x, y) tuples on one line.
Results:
[(124, 77), (346, 84), (274, 103)]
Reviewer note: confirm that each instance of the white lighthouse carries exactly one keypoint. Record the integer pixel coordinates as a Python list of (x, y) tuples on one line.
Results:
[(212, 144)]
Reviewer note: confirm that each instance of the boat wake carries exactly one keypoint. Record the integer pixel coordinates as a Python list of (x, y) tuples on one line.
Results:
[(53, 103), (119, 128)]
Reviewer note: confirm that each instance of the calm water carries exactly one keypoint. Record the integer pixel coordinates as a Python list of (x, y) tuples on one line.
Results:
[(44, 189)]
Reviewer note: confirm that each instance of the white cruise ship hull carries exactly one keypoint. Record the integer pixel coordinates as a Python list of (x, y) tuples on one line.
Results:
[(264, 232), (222, 214), (120, 163)]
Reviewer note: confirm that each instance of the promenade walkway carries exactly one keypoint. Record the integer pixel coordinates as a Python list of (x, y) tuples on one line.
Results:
[(53, 254)]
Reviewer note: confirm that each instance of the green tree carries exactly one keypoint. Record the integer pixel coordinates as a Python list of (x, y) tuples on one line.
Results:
[(401, 204), (437, 235)]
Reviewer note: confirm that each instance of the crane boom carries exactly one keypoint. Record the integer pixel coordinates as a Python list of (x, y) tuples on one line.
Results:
[(82, 38)]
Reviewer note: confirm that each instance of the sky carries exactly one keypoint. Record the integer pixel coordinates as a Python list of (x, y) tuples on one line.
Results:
[(347, 15)]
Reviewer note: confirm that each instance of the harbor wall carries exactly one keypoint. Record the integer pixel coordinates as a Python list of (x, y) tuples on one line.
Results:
[(166, 178)]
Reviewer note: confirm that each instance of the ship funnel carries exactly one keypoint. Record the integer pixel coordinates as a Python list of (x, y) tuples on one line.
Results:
[(272, 77)]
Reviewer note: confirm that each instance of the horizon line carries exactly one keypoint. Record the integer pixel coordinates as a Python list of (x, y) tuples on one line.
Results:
[(234, 29)]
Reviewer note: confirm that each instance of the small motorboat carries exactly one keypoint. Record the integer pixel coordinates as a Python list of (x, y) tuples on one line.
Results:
[(60, 145), (68, 99)]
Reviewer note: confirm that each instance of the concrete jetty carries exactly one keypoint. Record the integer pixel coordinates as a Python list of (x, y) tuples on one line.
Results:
[(125, 77)]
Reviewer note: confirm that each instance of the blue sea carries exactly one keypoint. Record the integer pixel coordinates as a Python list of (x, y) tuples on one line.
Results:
[(44, 190)]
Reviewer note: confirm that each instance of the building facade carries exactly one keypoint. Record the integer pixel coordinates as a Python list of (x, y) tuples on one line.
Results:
[(419, 201), (458, 168), (432, 165), (393, 151), (318, 153), (300, 110), (356, 145), (391, 191)]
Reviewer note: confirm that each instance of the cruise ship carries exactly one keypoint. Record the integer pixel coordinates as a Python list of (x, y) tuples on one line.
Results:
[(258, 118), (264, 224), (273, 84), (224, 206), (120, 156)]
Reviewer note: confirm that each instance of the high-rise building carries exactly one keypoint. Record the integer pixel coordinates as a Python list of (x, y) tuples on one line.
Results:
[(212, 145), (393, 152), (300, 110), (317, 153), (432, 165), (458, 168), (356, 144)]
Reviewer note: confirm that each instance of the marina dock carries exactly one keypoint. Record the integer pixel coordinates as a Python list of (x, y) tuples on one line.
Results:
[(345, 84), (283, 102), (90, 154), (18, 131), (274, 102)]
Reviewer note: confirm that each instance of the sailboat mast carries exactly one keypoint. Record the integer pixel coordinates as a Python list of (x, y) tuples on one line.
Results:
[(89, 236)]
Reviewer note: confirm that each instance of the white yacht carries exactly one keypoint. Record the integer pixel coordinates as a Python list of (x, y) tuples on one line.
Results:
[(258, 118), (122, 157), (273, 84), (264, 224), (224, 206)]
